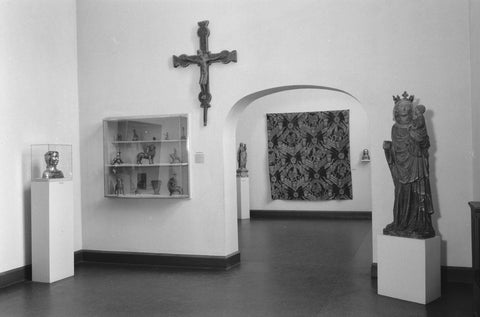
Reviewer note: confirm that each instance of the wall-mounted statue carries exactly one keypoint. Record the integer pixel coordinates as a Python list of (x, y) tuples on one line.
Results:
[(242, 170), (52, 158), (407, 157), (149, 154)]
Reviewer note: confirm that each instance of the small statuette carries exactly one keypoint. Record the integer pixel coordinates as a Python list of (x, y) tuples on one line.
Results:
[(365, 155), (119, 137), (117, 160), (183, 137), (154, 138), (149, 154), (135, 135), (242, 170), (173, 187), (166, 135), (52, 158), (119, 186), (174, 157)]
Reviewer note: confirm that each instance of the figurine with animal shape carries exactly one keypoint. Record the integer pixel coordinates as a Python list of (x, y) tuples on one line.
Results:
[(148, 154)]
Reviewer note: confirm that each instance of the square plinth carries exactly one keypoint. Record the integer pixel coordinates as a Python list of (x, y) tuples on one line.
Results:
[(52, 230), (409, 269), (243, 198)]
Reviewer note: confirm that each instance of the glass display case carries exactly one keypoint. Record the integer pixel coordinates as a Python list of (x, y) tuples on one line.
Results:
[(146, 157), (51, 162)]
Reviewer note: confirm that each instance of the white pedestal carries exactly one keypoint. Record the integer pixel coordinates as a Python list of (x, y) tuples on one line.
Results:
[(243, 198), (52, 230), (409, 269)]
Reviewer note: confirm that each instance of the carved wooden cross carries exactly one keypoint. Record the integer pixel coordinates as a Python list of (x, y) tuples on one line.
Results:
[(203, 59)]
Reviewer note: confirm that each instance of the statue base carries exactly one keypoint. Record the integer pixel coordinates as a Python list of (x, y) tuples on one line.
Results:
[(243, 198), (409, 269)]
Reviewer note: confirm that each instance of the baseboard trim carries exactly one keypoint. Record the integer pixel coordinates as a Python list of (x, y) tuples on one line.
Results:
[(15, 276), (162, 260), (306, 214), (449, 274)]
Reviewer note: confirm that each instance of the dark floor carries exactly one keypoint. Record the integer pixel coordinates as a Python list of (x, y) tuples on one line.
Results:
[(288, 268)]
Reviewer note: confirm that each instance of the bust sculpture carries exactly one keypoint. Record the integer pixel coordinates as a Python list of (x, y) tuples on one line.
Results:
[(242, 170), (407, 157), (52, 158)]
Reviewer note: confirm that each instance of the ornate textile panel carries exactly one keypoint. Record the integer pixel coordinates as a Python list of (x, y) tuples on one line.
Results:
[(309, 155)]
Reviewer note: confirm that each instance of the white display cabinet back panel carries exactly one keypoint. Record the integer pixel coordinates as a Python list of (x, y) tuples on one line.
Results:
[(146, 157)]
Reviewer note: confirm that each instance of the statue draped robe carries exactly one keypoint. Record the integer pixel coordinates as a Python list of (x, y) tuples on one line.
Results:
[(407, 158)]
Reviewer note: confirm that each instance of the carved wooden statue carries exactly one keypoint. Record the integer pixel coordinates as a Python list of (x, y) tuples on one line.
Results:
[(242, 170), (407, 157), (203, 59)]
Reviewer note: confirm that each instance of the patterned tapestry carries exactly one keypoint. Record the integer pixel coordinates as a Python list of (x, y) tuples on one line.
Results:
[(309, 155)]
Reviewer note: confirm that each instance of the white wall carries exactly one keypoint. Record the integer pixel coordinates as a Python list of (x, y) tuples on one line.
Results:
[(372, 49), (252, 130), (38, 102), (475, 69)]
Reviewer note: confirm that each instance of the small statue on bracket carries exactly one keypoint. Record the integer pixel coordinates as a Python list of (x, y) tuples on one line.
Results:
[(52, 158), (149, 154)]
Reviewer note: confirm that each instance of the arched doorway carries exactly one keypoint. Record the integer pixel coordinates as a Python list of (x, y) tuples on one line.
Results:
[(295, 98)]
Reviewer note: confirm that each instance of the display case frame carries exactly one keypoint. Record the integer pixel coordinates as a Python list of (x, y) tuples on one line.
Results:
[(147, 157)]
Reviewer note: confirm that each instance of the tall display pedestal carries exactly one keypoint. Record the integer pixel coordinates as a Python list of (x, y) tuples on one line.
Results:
[(52, 230), (243, 198), (409, 269)]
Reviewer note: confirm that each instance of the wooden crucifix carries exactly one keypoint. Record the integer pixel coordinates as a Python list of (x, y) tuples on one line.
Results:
[(203, 59)]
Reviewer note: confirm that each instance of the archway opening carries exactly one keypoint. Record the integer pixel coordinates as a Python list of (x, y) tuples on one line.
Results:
[(246, 122)]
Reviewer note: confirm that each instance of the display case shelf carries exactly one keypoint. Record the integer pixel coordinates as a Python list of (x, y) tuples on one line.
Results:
[(146, 157), (146, 165)]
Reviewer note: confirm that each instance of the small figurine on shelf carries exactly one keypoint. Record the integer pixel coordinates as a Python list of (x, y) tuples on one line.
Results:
[(166, 135), (154, 138), (119, 137), (117, 159), (119, 186), (135, 135), (149, 154), (52, 158), (174, 157), (183, 137), (173, 187)]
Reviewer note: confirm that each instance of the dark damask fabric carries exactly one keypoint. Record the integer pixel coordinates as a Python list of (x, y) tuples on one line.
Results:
[(309, 155)]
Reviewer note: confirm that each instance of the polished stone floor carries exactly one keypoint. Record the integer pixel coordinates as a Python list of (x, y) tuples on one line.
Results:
[(288, 268)]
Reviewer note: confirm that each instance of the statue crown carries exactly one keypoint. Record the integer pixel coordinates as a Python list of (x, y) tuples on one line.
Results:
[(405, 96)]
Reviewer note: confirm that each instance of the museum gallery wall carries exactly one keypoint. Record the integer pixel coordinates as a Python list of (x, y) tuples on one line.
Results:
[(124, 51)]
